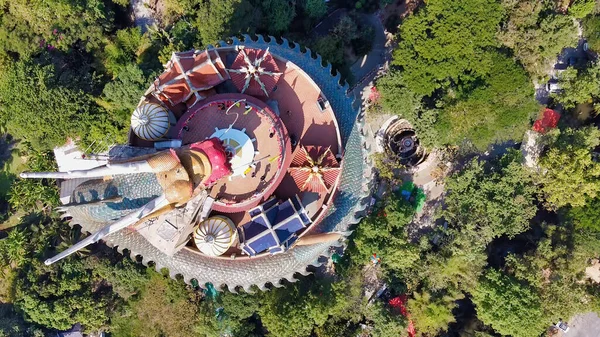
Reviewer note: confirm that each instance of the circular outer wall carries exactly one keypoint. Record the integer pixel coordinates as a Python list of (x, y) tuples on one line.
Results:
[(280, 135)]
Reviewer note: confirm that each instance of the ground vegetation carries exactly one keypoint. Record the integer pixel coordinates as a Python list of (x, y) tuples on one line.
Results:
[(512, 243)]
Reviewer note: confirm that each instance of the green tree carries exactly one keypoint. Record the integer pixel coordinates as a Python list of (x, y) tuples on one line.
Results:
[(536, 34), (13, 325), (59, 295), (297, 309), (554, 268), (315, 9), (386, 324), (25, 91), (497, 111), (432, 314), (26, 27), (398, 99), (387, 168), (31, 194), (569, 173), (277, 15), (591, 30), (457, 265), (384, 233), (122, 95), (508, 306), (125, 277), (331, 49), (163, 308), (447, 41), (588, 216), (581, 8), (346, 29), (38, 109), (579, 86), (218, 19), (487, 202), (123, 50)]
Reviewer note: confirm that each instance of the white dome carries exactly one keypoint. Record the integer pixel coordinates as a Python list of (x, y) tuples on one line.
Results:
[(215, 235), (150, 121)]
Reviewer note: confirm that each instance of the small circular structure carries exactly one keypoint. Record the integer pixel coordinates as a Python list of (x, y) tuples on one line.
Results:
[(215, 235), (400, 140), (150, 121)]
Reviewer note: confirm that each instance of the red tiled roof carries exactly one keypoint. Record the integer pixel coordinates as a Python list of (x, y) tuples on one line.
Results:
[(320, 158), (187, 75), (265, 67)]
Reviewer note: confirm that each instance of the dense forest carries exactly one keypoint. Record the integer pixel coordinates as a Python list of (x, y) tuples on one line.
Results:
[(508, 253)]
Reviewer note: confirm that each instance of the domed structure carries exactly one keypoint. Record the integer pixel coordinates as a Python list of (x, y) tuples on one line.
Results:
[(215, 235), (249, 135), (150, 121)]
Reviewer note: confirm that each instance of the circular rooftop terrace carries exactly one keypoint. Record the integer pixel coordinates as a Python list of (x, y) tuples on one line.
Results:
[(265, 97), (303, 94)]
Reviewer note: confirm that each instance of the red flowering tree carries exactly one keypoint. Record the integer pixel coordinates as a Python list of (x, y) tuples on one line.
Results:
[(374, 96), (398, 304), (548, 120)]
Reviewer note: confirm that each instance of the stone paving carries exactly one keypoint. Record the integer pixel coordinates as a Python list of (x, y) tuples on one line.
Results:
[(585, 325)]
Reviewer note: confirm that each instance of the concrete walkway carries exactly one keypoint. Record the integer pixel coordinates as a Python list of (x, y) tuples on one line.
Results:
[(377, 56), (585, 325)]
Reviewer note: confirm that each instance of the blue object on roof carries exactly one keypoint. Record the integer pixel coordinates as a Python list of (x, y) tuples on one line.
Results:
[(273, 226)]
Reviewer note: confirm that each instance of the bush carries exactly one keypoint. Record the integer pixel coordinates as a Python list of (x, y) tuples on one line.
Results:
[(591, 30), (122, 50), (30, 194), (511, 308), (588, 216), (582, 8)]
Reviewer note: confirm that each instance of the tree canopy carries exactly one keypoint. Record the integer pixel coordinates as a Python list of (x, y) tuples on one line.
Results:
[(579, 86), (536, 33), (38, 108), (511, 308), (570, 175), (29, 26), (447, 42), (499, 109), (491, 202), (591, 30), (587, 216)]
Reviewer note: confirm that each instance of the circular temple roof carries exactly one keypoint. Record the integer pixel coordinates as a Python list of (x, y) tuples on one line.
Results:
[(150, 121), (215, 235)]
